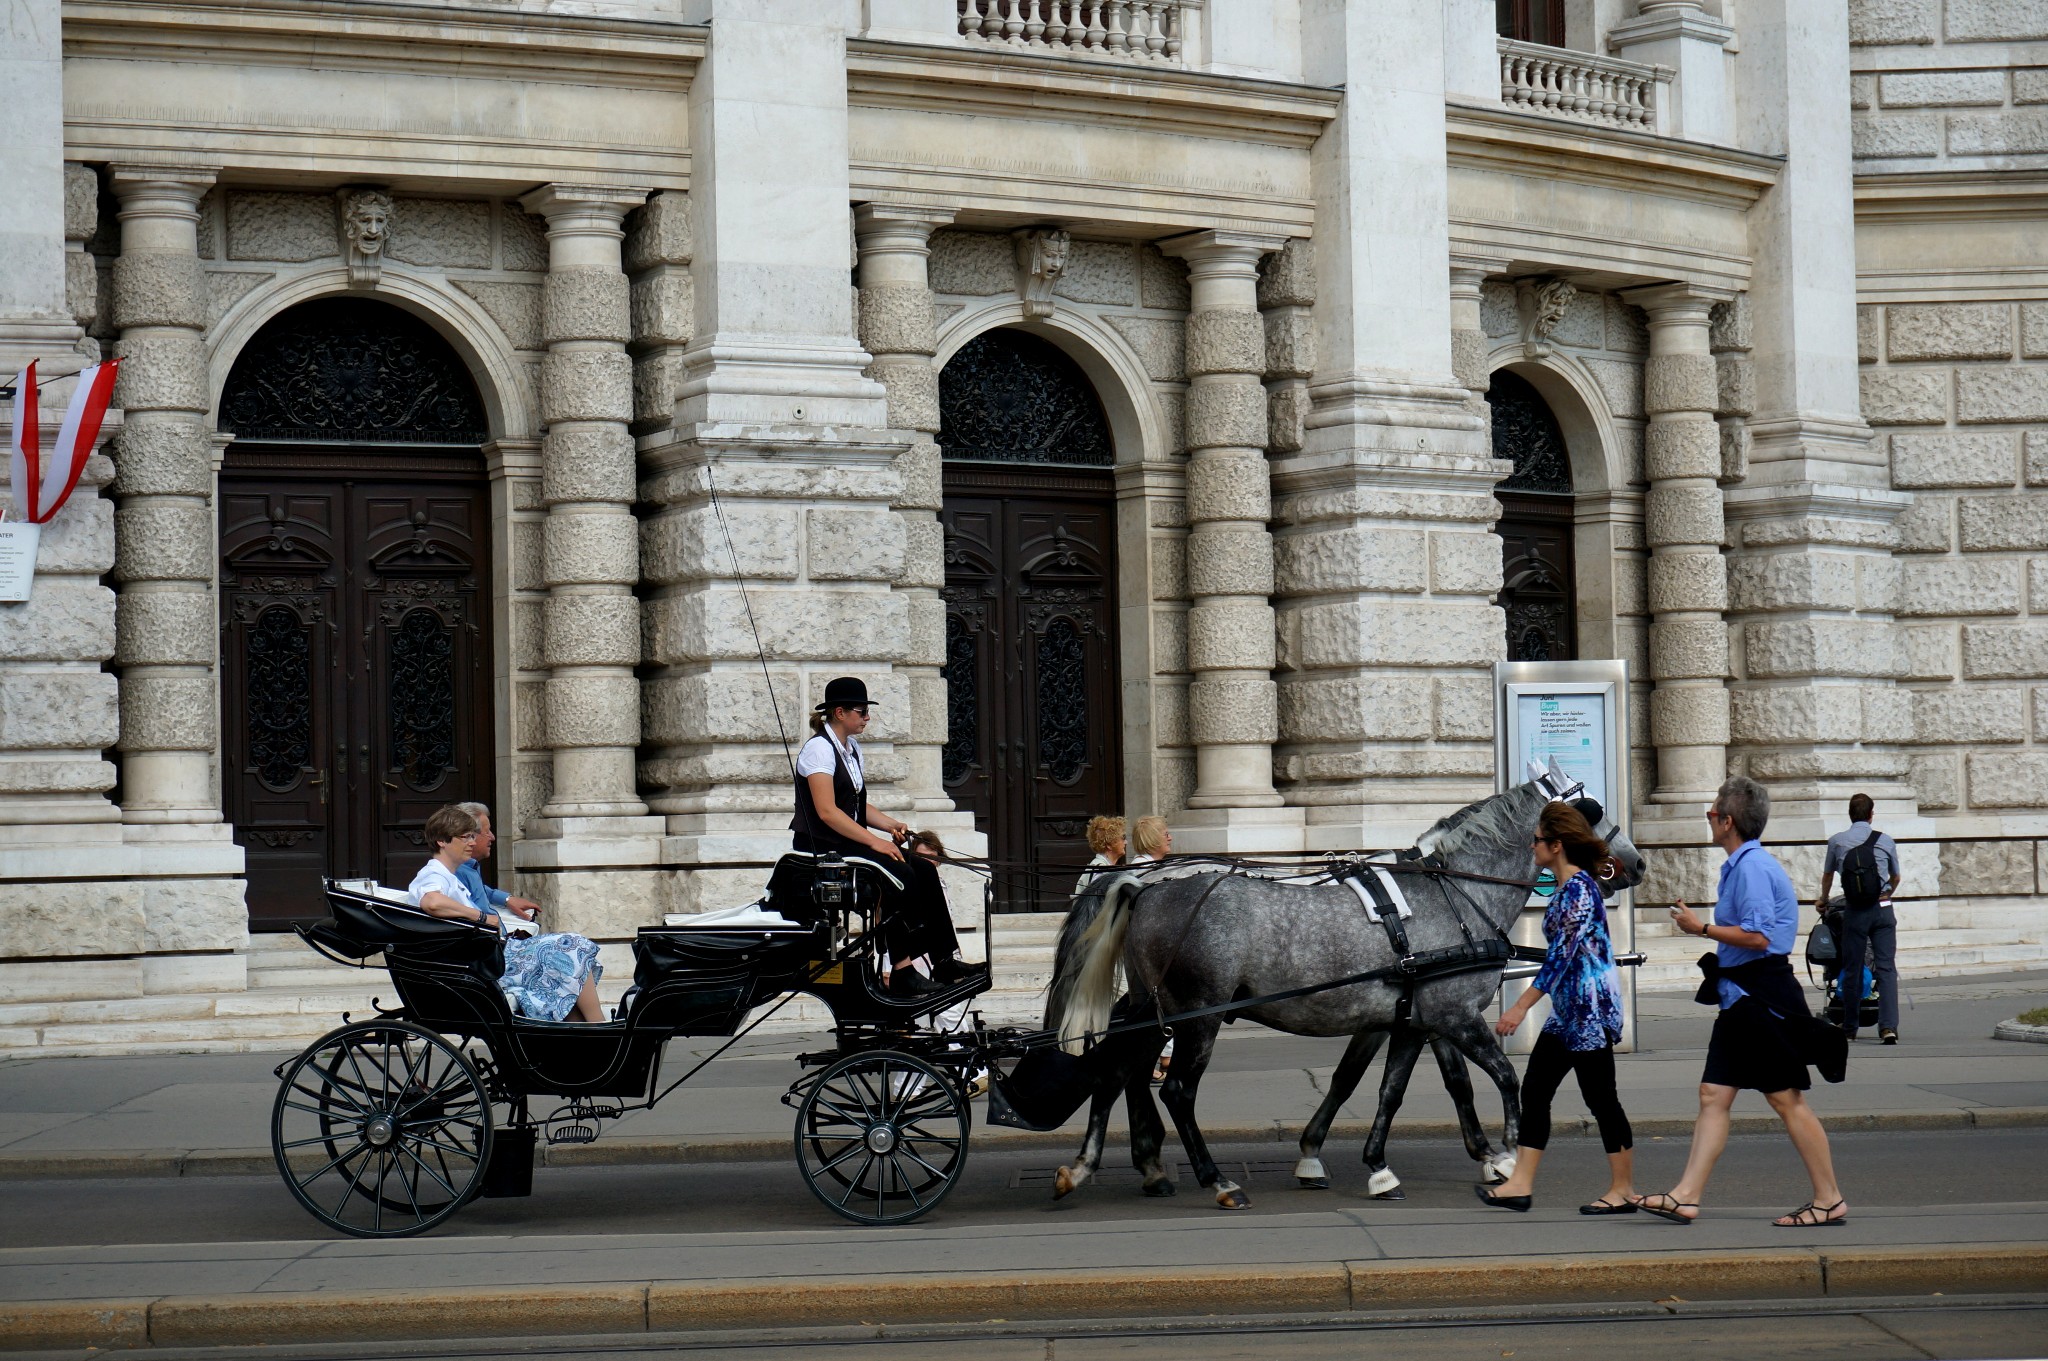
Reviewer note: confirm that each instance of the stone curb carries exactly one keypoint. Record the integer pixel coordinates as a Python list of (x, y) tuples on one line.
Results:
[(630, 1152), (2017, 1029), (981, 1297)]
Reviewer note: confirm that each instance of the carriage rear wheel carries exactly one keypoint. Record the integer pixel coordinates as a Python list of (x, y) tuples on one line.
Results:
[(382, 1129), (881, 1137)]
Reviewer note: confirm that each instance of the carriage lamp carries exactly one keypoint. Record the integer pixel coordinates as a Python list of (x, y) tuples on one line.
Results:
[(834, 878)]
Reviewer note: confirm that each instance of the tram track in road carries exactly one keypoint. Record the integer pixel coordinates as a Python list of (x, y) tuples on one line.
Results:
[(1988, 1328)]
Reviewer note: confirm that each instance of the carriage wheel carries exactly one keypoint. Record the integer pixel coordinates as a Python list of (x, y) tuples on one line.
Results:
[(382, 1129), (881, 1137)]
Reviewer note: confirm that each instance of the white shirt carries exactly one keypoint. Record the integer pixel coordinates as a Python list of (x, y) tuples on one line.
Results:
[(435, 877), (816, 757)]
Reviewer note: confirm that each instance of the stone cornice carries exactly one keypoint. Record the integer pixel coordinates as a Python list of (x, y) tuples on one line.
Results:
[(379, 35), (1491, 138), (1934, 196), (1018, 85)]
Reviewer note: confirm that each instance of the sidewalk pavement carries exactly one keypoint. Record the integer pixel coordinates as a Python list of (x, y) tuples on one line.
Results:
[(209, 1114)]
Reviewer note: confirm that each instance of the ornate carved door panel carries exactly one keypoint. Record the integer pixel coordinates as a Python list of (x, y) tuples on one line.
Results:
[(356, 691), (1034, 737), (1535, 527)]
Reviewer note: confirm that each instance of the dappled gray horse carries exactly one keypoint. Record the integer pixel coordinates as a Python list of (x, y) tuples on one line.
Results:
[(1210, 939), (1627, 870)]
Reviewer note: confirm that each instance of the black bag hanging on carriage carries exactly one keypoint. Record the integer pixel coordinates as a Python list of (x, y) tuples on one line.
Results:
[(1043, 1091)]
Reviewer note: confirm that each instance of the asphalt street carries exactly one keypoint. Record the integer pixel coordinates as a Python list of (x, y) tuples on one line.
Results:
[(1010, 1191)]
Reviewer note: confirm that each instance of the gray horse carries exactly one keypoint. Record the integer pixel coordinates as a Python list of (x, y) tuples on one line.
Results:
[(1626, 870), (1211, 939)]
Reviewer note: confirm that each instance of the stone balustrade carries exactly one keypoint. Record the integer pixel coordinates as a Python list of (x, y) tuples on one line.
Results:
[(1135, 30), (1580, 85)]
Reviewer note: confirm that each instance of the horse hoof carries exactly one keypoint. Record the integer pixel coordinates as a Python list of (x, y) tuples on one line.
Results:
[(1314, 1183), (1396, 1194), (1233, 1199), (1159, 1190), (1064, 1184)]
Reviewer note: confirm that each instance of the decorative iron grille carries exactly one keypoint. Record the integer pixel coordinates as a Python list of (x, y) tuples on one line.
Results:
[(963, 732), (1062, 702), (280, 698), (350, 370), (422, 699), (1525, 433), (1009, 397)]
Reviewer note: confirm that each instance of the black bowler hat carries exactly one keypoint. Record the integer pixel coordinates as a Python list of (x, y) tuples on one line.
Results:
[(847, 692)]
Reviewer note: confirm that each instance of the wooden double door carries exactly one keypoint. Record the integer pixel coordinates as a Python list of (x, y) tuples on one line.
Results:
[(1034, 732), (356, 663), (1536, 576)]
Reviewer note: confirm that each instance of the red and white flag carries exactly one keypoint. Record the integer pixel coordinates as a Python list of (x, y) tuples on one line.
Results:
[(42, 484)]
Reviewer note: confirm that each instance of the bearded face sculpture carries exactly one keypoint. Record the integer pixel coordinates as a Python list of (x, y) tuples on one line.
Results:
[(365, 227)]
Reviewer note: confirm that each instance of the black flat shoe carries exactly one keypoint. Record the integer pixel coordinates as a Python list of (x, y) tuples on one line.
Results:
[(910, 983), (1519, 1204), (1603, 1207)]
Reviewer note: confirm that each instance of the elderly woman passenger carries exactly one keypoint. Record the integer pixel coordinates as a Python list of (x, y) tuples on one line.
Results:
[(550, 978)]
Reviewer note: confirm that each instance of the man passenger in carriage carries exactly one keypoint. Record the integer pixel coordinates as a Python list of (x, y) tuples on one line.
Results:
[(551, 977), (833, 817)]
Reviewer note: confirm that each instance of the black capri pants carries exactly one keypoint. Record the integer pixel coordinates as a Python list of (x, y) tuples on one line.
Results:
[(1548, 1064)]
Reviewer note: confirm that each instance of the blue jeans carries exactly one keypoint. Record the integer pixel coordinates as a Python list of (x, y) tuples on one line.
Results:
[(1876, 929)]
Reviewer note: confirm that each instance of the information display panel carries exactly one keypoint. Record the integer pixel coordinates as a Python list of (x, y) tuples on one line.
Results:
[(1574, 713)]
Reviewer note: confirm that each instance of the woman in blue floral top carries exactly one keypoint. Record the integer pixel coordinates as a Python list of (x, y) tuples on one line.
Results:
[(1578, 975)]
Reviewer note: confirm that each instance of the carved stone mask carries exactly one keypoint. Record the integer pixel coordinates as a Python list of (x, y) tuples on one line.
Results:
[(365, 220)]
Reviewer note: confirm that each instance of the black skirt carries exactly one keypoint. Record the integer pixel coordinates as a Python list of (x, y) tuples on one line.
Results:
[(1751, 1048)]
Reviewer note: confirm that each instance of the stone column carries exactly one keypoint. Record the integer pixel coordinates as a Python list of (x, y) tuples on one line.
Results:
[(1232, 703), (1817, 711), (896, 327), (164, 530), (592, 848), (1684, 529), (1469, 343), (777, 414), (1385, 566)]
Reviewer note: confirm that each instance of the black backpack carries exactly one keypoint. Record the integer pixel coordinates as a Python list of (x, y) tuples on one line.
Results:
[(1862, 886)]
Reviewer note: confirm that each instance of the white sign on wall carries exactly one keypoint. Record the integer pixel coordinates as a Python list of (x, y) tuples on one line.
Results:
[(18, 540)]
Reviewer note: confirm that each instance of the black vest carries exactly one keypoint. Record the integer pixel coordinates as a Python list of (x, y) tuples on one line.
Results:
[(811, 832)]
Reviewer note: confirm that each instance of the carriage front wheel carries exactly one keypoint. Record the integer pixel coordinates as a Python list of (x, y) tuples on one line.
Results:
[(881, 1137), (381, 1129)]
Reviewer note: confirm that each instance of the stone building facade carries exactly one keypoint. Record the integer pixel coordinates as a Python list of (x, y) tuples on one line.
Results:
[(1165, 405)]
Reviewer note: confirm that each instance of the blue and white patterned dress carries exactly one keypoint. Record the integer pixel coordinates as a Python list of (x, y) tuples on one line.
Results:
[(1578, 973), (545, 974)]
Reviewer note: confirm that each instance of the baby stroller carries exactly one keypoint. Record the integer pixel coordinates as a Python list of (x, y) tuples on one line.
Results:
[(1824, 952)]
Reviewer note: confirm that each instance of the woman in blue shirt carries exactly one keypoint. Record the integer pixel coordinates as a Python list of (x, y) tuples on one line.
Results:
[(1585, 1022)]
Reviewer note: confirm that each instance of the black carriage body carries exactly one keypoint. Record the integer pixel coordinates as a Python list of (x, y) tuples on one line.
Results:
[(698, 979)]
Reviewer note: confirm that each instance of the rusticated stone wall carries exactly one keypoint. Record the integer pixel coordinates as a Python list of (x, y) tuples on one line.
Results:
[(1143, 295), (1960, 394), (1935, 87)]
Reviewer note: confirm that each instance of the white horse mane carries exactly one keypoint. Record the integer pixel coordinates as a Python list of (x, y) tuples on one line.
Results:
[(1492, 823)]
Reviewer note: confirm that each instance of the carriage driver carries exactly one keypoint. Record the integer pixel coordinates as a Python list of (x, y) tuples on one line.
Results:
[(833, 816)]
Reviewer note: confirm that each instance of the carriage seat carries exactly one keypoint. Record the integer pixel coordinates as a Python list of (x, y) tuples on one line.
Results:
[(369, 917)]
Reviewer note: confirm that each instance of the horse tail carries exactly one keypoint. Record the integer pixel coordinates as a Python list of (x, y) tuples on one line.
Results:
[(1084, 986)]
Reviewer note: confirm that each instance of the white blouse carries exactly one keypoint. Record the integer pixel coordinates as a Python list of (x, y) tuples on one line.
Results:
[(435, 877), (816, 757)]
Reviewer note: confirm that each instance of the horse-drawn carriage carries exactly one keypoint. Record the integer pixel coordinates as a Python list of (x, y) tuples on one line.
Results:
[(388, 1125)]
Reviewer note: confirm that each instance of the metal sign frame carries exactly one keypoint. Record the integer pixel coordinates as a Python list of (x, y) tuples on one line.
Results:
[(1513, 681)]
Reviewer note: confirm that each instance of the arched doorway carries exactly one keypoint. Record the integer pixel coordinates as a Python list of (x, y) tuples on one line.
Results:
[(1535, 525), (1033, 731), (355, 598)]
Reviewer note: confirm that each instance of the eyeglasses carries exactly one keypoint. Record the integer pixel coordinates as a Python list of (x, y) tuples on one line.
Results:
[(860, 709)]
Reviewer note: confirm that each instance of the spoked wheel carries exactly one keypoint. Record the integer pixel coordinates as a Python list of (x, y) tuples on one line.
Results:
[(382, 1129), (881, 1137)]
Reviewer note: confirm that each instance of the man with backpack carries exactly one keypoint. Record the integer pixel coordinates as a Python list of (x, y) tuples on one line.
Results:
[(1868, 863)]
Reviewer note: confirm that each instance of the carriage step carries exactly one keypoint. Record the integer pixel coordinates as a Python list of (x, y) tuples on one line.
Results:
[(572, 1134)]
